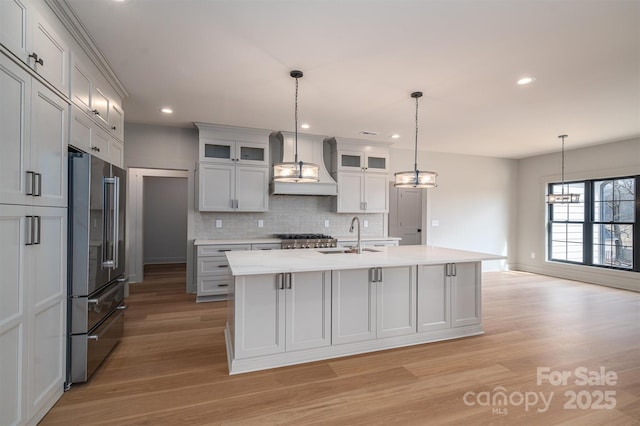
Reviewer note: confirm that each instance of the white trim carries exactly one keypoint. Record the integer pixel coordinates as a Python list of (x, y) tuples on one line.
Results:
[(327, 352), (625, 280), (135, 216)]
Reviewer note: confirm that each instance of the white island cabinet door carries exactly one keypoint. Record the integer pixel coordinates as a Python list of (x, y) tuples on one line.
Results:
[(397, 301), (465, 294), (353, 302), (259, 316), (433, 298), (308, 310)]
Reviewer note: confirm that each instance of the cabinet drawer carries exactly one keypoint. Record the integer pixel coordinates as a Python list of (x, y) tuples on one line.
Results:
[(213, 285), (220, 250), (213, 266)]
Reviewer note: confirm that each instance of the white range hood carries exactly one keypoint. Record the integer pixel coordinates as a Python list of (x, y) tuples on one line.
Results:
[(310, 150)]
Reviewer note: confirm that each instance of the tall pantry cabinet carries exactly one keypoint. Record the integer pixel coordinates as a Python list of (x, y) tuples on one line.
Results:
[(37, 52)]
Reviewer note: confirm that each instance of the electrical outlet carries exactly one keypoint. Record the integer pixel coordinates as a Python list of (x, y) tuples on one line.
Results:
[(365, 223), (533, 254), (435, 223), (326, 223), (260, 223), (218, 223)]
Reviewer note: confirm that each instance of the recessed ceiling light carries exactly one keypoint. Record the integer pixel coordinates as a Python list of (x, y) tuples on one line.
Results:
[(525, 80), (304, 126), (166, 110), (395, 136)]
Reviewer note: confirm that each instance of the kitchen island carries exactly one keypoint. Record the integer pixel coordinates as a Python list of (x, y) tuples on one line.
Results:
[(288, 307)]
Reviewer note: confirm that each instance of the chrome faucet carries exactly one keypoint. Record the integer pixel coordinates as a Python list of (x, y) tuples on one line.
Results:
[(359, 246)]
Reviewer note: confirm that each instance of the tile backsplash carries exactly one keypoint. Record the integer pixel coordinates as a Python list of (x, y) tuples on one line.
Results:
[(287, 214)]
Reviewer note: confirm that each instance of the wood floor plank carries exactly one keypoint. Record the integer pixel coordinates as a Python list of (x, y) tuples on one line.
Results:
[(171, 367)]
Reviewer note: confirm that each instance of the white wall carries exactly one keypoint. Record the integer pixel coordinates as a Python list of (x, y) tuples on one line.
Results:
[(473, 202), (601, 161), (165, 220)]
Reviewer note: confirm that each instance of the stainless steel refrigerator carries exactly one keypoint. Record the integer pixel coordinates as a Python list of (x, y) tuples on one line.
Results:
[(96, 279)]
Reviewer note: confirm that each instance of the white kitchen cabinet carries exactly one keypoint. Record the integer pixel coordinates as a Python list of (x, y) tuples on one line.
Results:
[(116, 152), (49, 55), (213, 275), (465, 294), (232, 187), (33, 41), (14, 26), (225, 151), (362, 192), (34, 137), (361, 169), (33, 310), (92, 95), (86, 135), (434, 298), (373, 303), (362, 161), (449, 296), (282, 313)]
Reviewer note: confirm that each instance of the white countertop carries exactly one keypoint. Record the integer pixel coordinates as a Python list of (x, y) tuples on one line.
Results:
[(277, 261), (363, 238), (238, 241)]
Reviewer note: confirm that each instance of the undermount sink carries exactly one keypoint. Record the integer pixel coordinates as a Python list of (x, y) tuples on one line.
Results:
[(347, 250)]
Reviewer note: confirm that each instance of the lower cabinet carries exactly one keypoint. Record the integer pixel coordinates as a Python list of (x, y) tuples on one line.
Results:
[(32, 310), (373, 303), (213, 275), (275, 313), (448, 296)]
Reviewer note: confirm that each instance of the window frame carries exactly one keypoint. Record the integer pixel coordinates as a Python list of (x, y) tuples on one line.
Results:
[(589, 221)]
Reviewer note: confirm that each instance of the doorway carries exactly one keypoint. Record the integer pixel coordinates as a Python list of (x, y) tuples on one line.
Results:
[(157, 218), (405, 215)]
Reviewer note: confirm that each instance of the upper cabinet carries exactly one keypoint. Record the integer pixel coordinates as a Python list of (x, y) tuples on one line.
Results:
[(34, 136), (28, 36), (361, 169), (233, 171), (92, 95)]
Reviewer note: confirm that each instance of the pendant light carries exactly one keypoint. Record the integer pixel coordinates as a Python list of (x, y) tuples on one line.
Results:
[(563, 198), (415, 178), (296, 171)]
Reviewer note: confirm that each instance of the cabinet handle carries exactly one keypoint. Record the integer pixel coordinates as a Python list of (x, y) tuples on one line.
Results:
[(30, 184), (29, 239), (113, 127), (38, 179), (379, 274), (95, 111), (95, 148), (279, 282), (38, 219), (36, 59), (223, 285), (446, 269), (288, 281), (237, 204), (455, 269), (223, 266), (223, 250)]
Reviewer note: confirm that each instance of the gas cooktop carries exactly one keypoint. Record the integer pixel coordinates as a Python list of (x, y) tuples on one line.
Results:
[(303, 241)]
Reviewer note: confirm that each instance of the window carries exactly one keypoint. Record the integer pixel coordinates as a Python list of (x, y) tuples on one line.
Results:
[(602, 230)]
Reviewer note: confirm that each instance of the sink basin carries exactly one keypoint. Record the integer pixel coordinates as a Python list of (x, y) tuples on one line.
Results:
[(347, 250)]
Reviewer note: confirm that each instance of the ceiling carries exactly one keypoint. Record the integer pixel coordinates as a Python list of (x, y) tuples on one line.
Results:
[(228, 62)]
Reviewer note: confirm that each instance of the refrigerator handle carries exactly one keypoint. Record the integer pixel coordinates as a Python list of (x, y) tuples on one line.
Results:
[(116, 220), (107, 262)]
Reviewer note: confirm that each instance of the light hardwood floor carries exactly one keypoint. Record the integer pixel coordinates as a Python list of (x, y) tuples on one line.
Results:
[(171, 367)]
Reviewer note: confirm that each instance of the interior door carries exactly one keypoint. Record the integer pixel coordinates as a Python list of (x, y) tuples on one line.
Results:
[(405, 215)]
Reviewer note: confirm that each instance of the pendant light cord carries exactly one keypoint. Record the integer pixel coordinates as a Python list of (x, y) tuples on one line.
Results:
[(415, 158), (562, 137), (296, 121)]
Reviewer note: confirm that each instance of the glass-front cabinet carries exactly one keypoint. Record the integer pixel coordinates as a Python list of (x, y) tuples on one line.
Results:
[(370, 161), (233, 151)]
